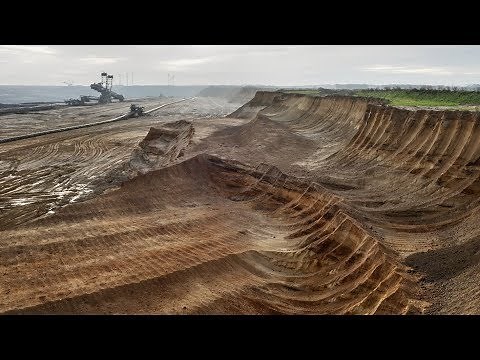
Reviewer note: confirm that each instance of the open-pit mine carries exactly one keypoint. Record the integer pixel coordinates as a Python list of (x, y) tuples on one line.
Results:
[(287, 204)]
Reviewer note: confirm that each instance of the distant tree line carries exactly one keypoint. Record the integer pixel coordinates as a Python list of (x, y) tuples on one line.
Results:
[(422, 88)]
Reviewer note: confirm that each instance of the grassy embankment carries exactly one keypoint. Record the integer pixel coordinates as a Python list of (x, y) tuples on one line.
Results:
[(412, 97), (421, 97)]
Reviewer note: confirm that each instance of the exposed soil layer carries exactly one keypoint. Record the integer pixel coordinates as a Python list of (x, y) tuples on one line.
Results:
[(291, 204), (160, 148), (223, 239)]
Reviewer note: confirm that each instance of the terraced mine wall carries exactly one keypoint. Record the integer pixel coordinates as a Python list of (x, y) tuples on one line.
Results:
[(307, 205), (413, 176)]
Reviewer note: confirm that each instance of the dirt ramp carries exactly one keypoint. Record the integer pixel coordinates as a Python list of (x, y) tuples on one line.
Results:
[(259, 140), (263, 132), (261, 100), (205, 236), (335, 116), (287, 130), (160, 147)]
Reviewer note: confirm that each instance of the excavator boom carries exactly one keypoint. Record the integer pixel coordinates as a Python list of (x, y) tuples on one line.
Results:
[(104, 88)]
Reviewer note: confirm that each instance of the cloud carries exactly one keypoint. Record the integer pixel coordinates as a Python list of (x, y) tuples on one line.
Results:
[(183, 64), (100, 60), (25, 48), (241, 64), (408, 70)]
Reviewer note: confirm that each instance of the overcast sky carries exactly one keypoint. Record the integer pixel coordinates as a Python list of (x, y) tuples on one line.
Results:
[(241, 64)]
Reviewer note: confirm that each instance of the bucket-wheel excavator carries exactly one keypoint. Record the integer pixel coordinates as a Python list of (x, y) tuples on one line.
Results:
[(104, 87)]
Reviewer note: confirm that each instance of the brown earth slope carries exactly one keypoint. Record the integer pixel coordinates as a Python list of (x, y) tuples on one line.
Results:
[(223, 239), (291, 204)]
